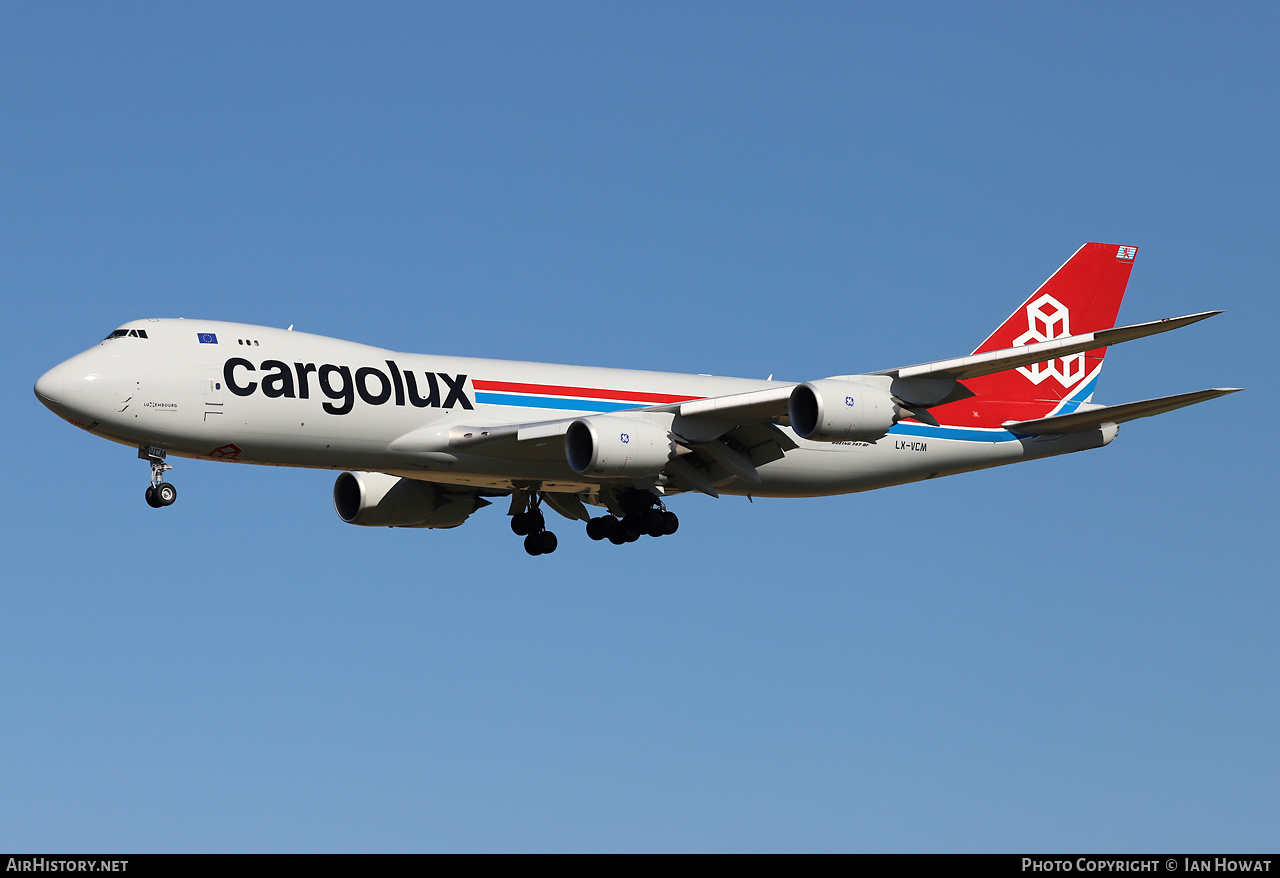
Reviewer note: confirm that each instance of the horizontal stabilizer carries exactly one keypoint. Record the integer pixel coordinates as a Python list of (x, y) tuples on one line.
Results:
[(990, 362), (1114, 414)]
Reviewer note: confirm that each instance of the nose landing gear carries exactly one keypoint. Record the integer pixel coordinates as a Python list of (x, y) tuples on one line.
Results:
[(160, 493)]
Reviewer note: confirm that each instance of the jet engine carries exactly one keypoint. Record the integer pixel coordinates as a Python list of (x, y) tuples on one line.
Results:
[(607, 445), (380, 500), (834, 410)]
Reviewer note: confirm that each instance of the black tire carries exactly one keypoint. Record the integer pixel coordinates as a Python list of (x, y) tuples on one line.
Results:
[(151, 498), (166, 494), (547, 542), (521, 526), (593, 529), (670, 524), (653, 523), (618, 537), (532, 544), (608, 526), (631, 525)]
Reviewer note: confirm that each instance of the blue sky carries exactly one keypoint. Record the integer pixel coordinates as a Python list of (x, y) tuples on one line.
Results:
[(1070, 654)]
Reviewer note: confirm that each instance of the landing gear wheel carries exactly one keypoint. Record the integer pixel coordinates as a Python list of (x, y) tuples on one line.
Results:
[(525, 523), (547, 542), (533, 544), (618, 538), (161, 493), (670, 524), (602, 528), (653, 523), (632, 525)]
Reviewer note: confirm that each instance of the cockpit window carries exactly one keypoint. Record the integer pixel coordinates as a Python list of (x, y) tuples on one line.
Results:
[(131, 333)]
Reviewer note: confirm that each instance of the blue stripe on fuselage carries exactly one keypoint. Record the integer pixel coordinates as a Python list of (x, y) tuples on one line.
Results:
[(963, 434), (546, 402)]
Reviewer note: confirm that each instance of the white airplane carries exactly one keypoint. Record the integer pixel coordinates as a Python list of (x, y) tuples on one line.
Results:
[(424, 441)]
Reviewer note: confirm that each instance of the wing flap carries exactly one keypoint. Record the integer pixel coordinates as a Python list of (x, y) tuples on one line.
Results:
[(1114, 414)]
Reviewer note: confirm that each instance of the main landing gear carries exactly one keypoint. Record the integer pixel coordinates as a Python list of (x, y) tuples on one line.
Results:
[(643, 513), (160, 493), (532, 525)]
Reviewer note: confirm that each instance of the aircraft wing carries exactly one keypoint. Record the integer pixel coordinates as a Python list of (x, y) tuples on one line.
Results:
[(755, 405), (735, 433), (987, 363), (698, 418), (770, 405), (1113, 414), (532, 440)]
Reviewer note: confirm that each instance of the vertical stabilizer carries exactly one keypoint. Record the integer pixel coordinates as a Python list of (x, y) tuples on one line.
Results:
[(1082, 296)]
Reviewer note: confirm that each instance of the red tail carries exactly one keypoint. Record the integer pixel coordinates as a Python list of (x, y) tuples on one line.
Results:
[(1082, 296)]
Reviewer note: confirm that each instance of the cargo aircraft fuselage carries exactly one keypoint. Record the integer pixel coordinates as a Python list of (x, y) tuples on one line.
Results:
[(426, 440)]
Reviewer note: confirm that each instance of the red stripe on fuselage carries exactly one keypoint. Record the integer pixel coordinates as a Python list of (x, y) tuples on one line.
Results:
[(585, 392)]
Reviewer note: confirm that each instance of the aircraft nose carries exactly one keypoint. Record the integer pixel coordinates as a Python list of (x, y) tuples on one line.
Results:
[(84, 388), (50, 386)]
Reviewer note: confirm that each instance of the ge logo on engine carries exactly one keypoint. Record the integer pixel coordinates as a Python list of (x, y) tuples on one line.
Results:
[(625, 437), (848, 400)]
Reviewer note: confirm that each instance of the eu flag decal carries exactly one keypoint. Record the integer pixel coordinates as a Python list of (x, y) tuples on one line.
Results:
[(207, 338)]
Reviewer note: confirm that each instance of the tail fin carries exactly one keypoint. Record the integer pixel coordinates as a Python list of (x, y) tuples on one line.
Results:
[(1082, 296)]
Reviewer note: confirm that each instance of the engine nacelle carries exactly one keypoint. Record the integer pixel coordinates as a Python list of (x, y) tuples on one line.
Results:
[(612, 446), (834, 410), (380, 500)]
